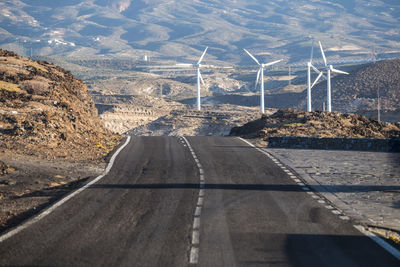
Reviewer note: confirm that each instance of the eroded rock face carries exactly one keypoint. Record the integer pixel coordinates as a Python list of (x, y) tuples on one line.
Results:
[(287, 122), (46, 111)]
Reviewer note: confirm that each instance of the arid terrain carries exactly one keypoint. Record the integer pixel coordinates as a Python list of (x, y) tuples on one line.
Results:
[(317, 124), (51, 138)]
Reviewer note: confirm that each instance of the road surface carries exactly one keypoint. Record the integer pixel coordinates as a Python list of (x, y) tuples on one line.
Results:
[(142, 214)]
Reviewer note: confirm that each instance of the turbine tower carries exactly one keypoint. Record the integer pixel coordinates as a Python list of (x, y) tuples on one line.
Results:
[(309, 85), (260, 73), (329, 70), (200, 79)]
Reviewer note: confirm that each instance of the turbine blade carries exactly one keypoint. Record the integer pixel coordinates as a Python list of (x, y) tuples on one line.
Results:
[(318, 71), (315, 69), (316, 80), (201, 79), (339, 71), (258, 77), (312, 50), (202, 56), (272, 63), (323, 54), (252, 56)]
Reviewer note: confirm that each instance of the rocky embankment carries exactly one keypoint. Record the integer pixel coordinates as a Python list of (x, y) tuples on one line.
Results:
[(46, 112), (287, 122), (51, 138)]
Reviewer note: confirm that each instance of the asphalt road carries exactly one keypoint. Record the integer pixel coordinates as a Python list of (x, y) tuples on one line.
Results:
[(141, 214)]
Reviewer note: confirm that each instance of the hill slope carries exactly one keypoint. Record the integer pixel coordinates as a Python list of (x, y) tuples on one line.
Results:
[(317, 124), (45, 111), (358, 92)]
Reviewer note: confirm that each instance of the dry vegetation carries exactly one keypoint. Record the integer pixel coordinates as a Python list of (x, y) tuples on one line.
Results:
[(45, 111), (317, 124)]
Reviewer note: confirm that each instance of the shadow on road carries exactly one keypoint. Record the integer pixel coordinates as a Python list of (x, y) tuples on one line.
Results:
[(253, 187)]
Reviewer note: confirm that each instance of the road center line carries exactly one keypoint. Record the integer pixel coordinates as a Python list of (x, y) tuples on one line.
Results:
[(194, 250)]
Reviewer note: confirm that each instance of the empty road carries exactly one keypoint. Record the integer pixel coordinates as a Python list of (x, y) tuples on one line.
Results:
[(224, 204)]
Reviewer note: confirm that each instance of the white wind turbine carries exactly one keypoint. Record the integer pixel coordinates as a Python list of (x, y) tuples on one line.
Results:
[(199, 78), (329, 69), (261, 73), (309, 85)]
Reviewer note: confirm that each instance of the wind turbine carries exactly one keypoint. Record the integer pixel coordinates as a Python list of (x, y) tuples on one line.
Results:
[(309, 85), (261, 73), (200, 78), (329, 69)]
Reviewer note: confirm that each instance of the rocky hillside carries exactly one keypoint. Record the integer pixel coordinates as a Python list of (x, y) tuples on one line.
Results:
[(358, 91), (287, 122), (45, 111)]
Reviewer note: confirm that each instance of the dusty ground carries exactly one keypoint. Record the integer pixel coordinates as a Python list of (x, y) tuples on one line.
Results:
[(211, 120), (30, 184)]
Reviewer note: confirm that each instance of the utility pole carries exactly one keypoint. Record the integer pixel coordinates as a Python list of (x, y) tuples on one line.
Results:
[(290, 76), (379, 105)]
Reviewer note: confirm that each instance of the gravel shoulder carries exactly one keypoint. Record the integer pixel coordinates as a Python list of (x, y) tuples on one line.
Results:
[(28, 184)]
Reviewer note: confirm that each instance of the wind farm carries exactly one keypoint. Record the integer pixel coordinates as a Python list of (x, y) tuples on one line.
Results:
[(194, 133)]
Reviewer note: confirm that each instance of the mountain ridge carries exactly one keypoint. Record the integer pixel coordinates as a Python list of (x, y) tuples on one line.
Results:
[(172, 29)]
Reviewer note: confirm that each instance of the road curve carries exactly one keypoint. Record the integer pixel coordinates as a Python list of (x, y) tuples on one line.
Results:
[(141, 214), (131, 217)]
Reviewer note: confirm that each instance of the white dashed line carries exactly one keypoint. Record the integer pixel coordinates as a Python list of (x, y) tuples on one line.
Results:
[(195, 237), (300, 183), (196, 223), (194, 255), (201, 193), (194, 250), (200, 201)]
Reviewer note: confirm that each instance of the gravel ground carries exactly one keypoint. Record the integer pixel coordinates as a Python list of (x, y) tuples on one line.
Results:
[(31, 184), (364, 185)]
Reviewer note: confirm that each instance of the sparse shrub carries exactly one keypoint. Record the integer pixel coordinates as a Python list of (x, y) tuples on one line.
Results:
[(35, 87), (9, 86)]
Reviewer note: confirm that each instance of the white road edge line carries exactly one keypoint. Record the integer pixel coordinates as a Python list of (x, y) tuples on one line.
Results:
[(380, 241), (65, 199)]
